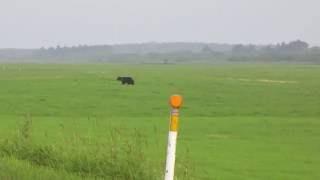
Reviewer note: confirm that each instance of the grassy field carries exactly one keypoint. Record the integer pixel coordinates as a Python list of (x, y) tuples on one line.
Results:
[(239, 122)]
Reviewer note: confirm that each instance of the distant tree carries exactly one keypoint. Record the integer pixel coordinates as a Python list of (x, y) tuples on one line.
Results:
[(51, 48), (286, 49), (207, 49), (298, 46), (315, 50), (267, 48), (238, 48), (251, 48), (245, 50)]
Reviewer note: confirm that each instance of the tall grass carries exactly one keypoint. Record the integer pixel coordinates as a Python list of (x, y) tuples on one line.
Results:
[(121, 158)]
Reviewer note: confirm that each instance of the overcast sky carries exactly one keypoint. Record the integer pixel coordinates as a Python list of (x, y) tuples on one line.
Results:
[(36, 23)]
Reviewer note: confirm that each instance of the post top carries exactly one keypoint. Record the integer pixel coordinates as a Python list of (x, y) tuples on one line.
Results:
[(176, 101)]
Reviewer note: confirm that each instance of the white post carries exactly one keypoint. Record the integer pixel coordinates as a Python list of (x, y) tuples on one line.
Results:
[(175, 102)]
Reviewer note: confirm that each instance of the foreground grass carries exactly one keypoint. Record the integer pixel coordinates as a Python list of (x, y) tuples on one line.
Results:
[(14, 169), (122, 154), (238, 122), (119, 158)]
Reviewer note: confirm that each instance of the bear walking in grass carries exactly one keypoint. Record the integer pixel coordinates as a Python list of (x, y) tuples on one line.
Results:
[(126, 80)]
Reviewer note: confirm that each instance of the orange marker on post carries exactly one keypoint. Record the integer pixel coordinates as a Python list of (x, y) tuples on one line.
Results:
[(175, 102)]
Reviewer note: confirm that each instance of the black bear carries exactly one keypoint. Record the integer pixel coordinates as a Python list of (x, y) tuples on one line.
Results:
[(126, 80)]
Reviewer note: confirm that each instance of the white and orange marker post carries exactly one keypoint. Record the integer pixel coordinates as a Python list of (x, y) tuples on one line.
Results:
[(175, 102)]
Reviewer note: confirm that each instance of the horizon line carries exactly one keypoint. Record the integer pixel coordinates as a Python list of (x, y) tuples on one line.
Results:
[(155, 42)]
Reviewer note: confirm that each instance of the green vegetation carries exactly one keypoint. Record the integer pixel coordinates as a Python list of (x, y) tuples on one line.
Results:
[(238, 121)]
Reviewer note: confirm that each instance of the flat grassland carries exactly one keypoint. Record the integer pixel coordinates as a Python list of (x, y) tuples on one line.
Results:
[(238, 122)]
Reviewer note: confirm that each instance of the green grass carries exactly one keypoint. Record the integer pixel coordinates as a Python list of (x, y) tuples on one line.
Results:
[(238, 121)]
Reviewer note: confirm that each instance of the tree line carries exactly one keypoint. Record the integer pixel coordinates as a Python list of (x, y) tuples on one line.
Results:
[(294, 51)]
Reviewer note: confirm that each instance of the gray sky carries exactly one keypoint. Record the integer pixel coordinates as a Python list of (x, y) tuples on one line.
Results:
[(36, 23)]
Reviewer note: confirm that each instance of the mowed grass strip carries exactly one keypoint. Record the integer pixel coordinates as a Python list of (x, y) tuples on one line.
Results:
[(238, 121)]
